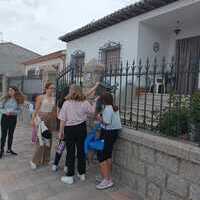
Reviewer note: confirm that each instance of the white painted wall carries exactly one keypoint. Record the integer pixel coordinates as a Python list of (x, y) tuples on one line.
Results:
[(147, 36), (125, 33)]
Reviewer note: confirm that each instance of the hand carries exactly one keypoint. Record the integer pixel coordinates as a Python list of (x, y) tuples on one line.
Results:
[(97, 98), (33, 123), (99, 117), (61, 135)]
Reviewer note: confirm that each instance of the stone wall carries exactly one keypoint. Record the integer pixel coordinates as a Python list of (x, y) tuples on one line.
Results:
[(157, 168)]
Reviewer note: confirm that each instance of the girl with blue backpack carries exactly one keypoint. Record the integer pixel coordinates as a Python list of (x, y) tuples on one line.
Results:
[(110, 128)]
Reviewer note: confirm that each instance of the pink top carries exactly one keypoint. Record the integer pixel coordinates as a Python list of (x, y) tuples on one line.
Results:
[(75, 112)]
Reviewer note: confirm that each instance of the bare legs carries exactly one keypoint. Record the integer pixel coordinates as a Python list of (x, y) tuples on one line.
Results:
[(106, 169)]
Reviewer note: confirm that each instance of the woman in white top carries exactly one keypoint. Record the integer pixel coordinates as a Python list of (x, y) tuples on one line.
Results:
[(46, 110), (110, 127)]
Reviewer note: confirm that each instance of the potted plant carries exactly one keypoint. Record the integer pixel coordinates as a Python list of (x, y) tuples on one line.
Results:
[(195, 117), (140, 91)]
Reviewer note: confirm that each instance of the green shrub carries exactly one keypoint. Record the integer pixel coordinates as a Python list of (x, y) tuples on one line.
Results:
[(175, 122), (195, 108)]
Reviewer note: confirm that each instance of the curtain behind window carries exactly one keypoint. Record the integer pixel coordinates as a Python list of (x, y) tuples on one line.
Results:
[(187, 65)]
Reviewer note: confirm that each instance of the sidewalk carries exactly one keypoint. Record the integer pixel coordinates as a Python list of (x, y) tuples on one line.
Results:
[(19, 182)]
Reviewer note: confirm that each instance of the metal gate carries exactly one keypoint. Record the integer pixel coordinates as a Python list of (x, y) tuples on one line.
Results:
[(69, 75)]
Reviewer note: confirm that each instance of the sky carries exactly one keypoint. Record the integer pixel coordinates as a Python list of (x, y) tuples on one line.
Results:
[(37, 24)]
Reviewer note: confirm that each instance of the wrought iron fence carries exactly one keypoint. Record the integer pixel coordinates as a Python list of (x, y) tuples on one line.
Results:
[(152, 96), (70, 74)]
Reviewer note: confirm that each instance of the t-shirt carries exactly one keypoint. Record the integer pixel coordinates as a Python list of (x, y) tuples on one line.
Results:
[(75, 112), (111, 119)]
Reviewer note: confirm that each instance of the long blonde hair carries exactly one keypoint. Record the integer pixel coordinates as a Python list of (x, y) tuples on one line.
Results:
[(75, 94)]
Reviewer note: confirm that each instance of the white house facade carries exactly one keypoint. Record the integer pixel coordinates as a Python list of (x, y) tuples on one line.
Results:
[(145, 29)]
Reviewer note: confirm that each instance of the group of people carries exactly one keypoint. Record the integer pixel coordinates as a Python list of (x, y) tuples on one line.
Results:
[(72, 112)]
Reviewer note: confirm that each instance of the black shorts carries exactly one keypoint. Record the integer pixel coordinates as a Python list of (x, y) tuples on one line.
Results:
[(109, 137)]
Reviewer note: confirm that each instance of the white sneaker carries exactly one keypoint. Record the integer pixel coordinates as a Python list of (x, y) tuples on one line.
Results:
[(67, 179), (105, 184), (65, 169), (81, 177), (54, 168), (33, 165)]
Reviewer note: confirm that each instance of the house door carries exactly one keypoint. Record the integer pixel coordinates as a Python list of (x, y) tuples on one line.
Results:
[(187, 65)]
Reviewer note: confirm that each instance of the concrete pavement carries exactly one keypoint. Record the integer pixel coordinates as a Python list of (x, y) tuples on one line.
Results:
[(19, 182)]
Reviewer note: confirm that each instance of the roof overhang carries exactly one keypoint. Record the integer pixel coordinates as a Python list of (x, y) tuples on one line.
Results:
[(123, 14)]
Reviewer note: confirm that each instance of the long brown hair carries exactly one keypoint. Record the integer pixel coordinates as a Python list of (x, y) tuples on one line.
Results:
[(107, 99), (19, 97), (76, 95)]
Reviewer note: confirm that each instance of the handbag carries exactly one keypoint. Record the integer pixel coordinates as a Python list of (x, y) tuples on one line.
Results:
[(45, 132), (34, 135), (60, 147), (97, 144)]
